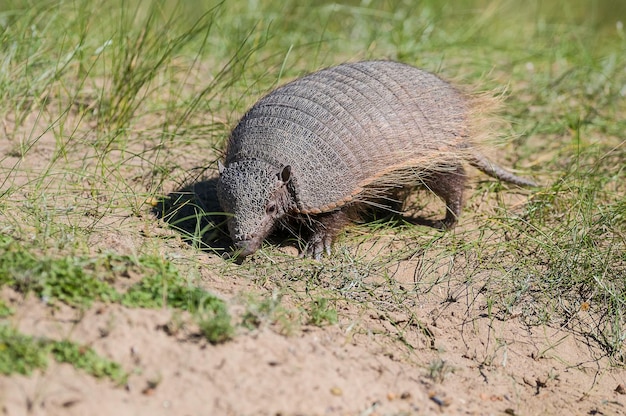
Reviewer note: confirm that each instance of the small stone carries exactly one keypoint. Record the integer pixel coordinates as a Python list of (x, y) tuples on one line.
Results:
[(441, 401), (620, 389), (336, 391), (405, 395)]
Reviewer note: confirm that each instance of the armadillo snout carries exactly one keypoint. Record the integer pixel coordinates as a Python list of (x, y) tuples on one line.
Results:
[(247, 243), (246, 248), (244, 244)]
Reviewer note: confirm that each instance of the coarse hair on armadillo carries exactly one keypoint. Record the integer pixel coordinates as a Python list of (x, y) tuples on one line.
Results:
[(481, 134)]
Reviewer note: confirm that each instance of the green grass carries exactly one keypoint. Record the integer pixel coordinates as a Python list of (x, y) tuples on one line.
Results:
[(78, 282), (23, 354), (321, 313), (19, 353), (270, 311), (108, 107), (64, 279)]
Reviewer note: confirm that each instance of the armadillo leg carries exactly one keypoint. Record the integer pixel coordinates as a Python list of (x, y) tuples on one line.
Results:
[(448, 185), (324, 228)]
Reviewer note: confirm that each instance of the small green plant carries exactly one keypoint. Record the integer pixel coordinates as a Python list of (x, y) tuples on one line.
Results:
[(65, 279), (259, 311), (86, 359), (23, 354), (321, 313), (20, 353), (78, 281), (165, 287), (269, 311), (438, 370), (214, 321), (5, 310)]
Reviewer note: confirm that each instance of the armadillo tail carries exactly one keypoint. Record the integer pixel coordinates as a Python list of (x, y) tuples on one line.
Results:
[(483, 164)]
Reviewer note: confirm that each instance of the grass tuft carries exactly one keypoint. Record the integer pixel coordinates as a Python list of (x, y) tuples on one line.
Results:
[(321, 313), (23, 354), (19, 353), (64, 279), (86, 359), (79, 281)]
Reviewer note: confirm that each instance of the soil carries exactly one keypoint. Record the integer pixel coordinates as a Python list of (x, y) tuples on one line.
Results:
[(468, 364), (459, 359), (487, 368)]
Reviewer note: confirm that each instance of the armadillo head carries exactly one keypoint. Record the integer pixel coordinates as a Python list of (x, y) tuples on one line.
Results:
[(257, 196)]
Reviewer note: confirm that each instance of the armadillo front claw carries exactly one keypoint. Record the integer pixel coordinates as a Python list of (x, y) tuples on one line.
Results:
[(316, 246)]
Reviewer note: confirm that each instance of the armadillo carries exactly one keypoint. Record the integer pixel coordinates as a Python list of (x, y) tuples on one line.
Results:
[(322, 148)]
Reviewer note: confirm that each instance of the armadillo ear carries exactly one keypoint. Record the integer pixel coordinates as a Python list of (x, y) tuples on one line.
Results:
[(285, 174), (220, 167)]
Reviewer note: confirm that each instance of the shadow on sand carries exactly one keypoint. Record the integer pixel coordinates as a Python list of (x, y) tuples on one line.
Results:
[(195, 212)]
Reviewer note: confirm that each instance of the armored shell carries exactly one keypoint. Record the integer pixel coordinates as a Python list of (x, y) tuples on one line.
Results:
[(342, 129)]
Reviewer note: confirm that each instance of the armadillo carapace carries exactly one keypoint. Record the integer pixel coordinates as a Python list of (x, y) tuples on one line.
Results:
[(321, 149)]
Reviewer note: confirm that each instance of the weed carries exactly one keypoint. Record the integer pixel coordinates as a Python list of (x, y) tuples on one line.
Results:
[(438, 370), (321, 313), (65, 279), (23, 354), (214, 321), (79, 281), (5, 310), (269, 311), (20, 353), (86, 359), (164, 287)]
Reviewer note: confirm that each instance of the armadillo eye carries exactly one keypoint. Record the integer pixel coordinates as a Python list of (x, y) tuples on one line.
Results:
[(271, 209)]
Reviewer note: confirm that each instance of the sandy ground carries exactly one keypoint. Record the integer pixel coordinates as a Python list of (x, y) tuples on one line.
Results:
[(459, 360), (475, 366)]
